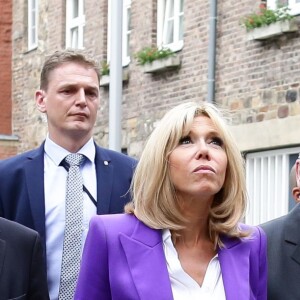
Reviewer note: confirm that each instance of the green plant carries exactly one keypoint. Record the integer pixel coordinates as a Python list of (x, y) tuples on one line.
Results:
[(104, 68), (266, 17), (149, 54)]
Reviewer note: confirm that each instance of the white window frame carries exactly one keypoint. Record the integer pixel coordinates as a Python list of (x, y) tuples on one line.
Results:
[(294, 6), (73, 24), (32, 24), (126, 32), (267, 179), (162, 25)]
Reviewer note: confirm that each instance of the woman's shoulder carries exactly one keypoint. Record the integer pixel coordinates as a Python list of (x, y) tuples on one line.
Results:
[(254, 231), (111, 227), (118, 223), (256, 237), (114, 220), (253, 235)]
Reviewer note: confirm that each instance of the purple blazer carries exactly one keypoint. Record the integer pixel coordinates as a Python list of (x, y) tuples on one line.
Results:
[(124, 259)]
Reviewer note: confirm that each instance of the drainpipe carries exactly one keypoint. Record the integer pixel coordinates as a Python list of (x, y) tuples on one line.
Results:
[(212, 50), (115, 73)]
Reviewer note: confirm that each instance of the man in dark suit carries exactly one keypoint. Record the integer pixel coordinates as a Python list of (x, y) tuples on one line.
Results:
[(33, 184), (22, 272), (284, 248)]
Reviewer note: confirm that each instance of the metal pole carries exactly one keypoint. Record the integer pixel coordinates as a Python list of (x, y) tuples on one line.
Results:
[(212, 50), (115, 86)]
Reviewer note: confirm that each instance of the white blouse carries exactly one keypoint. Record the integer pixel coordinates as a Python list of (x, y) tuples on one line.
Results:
[(185, 287)]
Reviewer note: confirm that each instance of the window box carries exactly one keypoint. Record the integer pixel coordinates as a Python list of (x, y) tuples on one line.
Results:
[(163, 64), (274, 29), (105, 79)]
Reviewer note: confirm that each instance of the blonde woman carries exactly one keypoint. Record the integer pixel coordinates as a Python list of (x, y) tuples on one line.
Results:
[(181, 237)]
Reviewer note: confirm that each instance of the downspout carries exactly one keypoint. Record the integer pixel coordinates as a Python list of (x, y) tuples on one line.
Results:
[(115, 86), (212, 36)]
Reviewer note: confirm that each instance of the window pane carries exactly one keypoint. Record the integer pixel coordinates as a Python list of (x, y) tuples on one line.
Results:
[(128, 30), (75, 11), (181, 6), (33, 41), (74, 37), (170, 12), (180, 28), (169, 35), (128, 18), (33, 18)]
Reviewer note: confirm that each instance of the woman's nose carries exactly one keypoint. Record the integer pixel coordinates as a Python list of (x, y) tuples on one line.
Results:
[(202, 150)]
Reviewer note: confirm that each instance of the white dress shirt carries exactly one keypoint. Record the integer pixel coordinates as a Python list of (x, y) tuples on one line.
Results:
[(55, 179), (185, 287)]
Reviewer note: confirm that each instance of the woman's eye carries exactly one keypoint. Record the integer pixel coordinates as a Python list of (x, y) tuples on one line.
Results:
[(185, 140), (217, 141)]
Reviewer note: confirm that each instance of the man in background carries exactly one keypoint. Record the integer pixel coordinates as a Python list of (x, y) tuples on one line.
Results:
[(35, 189), (22, 272), (283, 238)]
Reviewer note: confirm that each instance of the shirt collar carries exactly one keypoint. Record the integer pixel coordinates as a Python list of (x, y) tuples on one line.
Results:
[(57, 153)]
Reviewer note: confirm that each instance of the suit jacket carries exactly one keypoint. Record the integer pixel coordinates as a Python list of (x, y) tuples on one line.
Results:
[(283, 236), (22, 273), (22, 186), (124, 259)]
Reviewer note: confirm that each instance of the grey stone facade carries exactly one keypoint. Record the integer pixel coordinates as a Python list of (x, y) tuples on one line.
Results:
[(258, 81)]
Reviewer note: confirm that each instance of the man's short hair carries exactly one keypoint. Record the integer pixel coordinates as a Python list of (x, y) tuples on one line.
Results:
[(60, 57)]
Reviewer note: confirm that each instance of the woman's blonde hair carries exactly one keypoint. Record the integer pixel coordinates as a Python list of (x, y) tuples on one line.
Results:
[(154, 198)]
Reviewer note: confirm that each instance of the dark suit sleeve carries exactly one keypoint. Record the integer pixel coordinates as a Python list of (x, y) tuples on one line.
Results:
[(38, 289)]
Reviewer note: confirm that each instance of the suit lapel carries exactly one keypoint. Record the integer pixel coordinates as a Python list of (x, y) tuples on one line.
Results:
[(34, 174), (2, 254), (147, 264), (104, 171), (234, 262), (291, 232)]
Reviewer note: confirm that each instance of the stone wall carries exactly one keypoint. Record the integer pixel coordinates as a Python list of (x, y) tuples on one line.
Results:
[(257, 81), (5, 66)]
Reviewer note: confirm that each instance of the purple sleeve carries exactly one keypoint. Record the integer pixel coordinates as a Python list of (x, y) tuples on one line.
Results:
[(262, 294)]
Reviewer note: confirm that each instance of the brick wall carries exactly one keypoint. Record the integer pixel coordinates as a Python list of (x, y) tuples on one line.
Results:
[(257, 81), (5, 66), (8, 147)]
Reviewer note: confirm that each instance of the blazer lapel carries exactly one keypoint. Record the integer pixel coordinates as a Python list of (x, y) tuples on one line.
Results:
[(234, 262), (2, 254), (104, 172), (147, 264), (34, 174), (291, 232)]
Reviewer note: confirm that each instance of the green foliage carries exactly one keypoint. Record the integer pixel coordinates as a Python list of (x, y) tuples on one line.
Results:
[(104, 68), (149, 54), (266, 17)]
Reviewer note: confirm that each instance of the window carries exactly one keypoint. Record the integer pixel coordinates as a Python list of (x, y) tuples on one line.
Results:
[(294, 5), (75, 21), (170, 24), (126, 31), (267, 177), (32, 24)]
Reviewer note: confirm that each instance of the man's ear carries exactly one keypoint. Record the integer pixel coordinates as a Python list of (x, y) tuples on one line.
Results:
[(296, 194), (40, 100)]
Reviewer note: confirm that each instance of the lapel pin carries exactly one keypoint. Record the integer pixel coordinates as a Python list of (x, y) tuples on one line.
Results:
[(106, 163)]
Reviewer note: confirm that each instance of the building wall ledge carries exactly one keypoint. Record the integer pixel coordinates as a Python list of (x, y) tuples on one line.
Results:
[(5, 137), (275, 133)]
